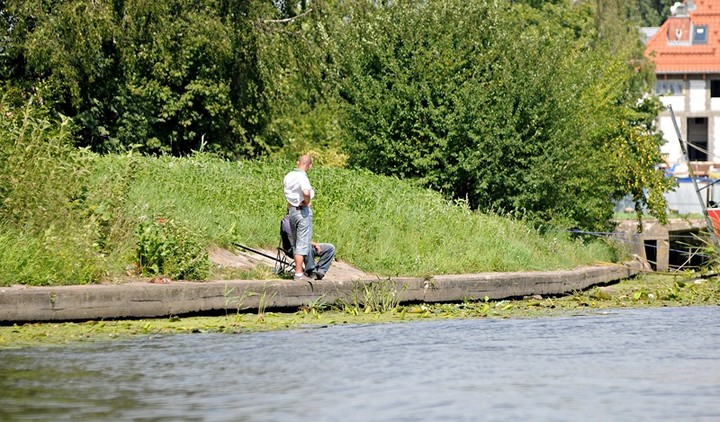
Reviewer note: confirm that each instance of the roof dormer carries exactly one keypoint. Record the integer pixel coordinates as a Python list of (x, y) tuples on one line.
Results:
[(678, 30)]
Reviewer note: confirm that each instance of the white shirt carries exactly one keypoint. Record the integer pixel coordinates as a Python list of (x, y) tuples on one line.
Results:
[(295, 183)]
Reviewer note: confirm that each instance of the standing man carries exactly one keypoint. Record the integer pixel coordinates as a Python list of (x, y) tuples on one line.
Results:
[(299, 193)]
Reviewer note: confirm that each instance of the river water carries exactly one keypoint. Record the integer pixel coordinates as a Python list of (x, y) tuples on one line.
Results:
[(648, 364)]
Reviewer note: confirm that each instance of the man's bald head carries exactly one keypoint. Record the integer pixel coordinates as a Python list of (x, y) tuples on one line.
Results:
[(304, 162)]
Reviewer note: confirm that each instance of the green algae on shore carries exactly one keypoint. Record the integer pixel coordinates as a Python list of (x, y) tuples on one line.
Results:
[(655, 290)]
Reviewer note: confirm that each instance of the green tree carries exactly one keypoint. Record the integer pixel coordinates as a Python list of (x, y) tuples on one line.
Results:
[(297, 64), (512, 108), (654, 12), (168, 75), (641, 12), (518, 107), (539, 3)]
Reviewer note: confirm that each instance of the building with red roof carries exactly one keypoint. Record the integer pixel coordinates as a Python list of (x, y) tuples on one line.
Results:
[(686, 52)]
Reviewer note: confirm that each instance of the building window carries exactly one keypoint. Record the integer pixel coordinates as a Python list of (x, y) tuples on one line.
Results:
[(700, 35), (669, 87), (715, 88), (697, 138)]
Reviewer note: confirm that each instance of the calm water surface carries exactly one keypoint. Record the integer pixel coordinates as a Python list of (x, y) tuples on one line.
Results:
[(653, 364)]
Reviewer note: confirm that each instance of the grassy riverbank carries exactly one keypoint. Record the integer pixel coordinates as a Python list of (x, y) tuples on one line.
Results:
[(147, 216), (639, 292), (68, 216)]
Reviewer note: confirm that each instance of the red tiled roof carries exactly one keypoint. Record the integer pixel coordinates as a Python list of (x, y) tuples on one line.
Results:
[(671, 48)]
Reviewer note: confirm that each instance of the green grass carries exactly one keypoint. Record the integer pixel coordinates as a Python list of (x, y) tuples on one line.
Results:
[(49, 258), (68, 216), (381, 225)]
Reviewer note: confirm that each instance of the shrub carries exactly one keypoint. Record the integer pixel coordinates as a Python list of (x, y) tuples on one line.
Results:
[(167, 248)]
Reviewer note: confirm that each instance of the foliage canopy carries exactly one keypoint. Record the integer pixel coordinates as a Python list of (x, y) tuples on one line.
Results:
[(536, 109), (512, 108)]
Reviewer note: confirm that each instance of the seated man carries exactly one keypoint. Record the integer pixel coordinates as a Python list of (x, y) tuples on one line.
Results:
[(325, 252)]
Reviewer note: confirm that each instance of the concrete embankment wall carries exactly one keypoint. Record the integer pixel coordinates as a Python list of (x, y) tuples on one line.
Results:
[(136, 300)]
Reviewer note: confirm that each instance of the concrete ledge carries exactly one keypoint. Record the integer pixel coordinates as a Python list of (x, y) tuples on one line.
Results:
[(136, 300)]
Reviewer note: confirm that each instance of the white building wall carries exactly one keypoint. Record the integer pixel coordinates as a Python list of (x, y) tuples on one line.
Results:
[(672, 146), (714, 136), (715, 104), (695, 103), (676, 101), (697, 94)]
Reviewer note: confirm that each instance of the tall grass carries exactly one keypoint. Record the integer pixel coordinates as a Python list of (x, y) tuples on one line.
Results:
[(61, 257), (46, 235), (68, 216)]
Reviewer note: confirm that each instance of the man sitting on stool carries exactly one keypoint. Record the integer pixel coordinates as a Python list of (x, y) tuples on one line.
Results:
[(325, 252)]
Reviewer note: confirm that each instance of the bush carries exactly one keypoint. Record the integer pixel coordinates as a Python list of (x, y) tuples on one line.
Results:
[(167, 248)]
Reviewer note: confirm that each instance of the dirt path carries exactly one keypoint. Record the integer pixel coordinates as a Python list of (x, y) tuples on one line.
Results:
[(247, 261)]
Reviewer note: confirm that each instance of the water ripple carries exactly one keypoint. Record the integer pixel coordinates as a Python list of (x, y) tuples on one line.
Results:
[(652, 364)]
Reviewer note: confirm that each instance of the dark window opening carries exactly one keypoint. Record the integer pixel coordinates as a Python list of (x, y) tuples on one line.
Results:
[(697, 138), (715, 88), (651, 253)]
